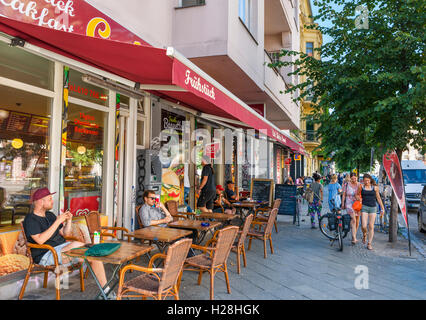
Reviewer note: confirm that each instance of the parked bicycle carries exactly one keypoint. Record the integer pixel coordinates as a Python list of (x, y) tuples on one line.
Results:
[(335, 226)]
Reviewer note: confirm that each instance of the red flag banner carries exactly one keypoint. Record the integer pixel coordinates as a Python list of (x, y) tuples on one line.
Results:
[(393, 170)]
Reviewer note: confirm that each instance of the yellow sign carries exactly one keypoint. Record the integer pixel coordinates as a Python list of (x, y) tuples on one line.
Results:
[(297, 157)]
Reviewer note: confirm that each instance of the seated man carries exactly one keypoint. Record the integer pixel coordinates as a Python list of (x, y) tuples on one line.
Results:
[(230, 194), (151, 215), (220, 202), (43, 227)]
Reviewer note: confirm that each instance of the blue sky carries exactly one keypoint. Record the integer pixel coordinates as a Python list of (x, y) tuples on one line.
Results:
[(327, 23)]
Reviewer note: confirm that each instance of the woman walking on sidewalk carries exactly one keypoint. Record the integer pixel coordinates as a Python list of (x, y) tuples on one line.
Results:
[(350, 191), (369, 193), (333, 193), (316, 206)]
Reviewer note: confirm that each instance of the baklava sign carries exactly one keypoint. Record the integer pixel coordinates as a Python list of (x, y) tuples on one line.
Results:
[(75, 16)]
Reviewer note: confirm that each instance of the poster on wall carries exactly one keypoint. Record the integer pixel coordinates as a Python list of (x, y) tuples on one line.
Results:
[(173, 169)]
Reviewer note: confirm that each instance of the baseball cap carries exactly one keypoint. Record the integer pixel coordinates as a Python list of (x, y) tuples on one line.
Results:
[(229, 181), (219, 187), (41, 193)]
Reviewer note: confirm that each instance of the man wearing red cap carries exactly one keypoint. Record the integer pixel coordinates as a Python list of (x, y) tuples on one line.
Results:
[(44, 227), (221, 202)]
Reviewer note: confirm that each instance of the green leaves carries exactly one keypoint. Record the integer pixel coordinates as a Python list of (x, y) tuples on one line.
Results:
[(369, 88)]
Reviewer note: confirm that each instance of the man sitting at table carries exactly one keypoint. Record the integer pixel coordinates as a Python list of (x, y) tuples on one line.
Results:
[(41, 226), (220, 202), (230, 194), (150, 214)]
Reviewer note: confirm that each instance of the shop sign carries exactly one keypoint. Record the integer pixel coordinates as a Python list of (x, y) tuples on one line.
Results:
[(68, 16), (287, 161), (297, 157), (278, 166), (212, 149), (87, 92)]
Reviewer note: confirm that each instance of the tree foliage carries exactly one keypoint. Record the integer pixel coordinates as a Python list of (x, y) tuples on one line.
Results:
[(368, 88)]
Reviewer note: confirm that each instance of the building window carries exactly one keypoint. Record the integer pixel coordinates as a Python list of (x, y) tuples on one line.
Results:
[(191, 3), (310, 48), (244, 11), (24, 151), (84, 159)]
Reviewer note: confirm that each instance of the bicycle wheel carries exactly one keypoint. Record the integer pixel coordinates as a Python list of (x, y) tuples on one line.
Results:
[(323, 226), (340, 237)]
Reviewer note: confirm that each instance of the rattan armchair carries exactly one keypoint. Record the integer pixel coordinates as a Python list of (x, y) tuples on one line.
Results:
[(263, 232), (36, 268), (172, 206), (238, 246), (261, 214), (150, 283), (93, 221), (216, 258)]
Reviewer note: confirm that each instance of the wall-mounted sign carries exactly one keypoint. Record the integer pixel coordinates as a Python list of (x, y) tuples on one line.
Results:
[(297, 157)]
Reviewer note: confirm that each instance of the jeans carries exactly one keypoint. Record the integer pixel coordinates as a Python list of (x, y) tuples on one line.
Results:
[(185, 195)]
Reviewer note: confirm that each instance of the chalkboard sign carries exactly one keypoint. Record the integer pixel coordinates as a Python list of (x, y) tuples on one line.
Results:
[(287, 194), (261, 190)]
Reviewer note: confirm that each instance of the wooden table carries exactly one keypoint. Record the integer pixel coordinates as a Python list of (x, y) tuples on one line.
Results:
[(196, 226), (249, 206), (161, 236), (123, 255), (223, 217)]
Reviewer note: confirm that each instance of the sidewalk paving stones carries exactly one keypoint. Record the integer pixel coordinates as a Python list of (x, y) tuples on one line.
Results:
[(304, 266)]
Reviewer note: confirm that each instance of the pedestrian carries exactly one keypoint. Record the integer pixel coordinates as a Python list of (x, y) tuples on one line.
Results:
[(299, 181), (350, 191), (333, 193), (289, 181), (316, 206), (370, 194), (207, 187), (186, 187)]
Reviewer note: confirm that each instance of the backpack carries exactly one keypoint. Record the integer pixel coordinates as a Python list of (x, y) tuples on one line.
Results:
[(309, 195)]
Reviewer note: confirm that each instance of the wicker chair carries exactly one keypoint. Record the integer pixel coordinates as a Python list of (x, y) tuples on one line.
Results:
[(264, 235), (150, 284), (93, 221), (238, 246), (259, 216), (215, 261), (36, 268), (173, 206)]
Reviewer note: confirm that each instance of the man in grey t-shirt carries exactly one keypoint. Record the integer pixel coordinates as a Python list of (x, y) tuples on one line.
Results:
[(152, 216)]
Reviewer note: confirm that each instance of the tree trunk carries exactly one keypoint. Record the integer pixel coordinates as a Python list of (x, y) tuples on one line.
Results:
[(393, 219)]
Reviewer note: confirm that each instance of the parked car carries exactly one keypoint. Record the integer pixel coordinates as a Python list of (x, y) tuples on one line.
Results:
[(421, 214), (414, 172)]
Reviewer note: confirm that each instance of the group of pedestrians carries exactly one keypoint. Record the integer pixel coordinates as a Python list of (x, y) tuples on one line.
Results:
[(343, 195)]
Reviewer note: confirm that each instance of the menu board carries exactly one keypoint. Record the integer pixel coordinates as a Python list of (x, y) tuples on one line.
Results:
[(287, 194), (261, 190), (25, 123), (39, 125), (18, 121)]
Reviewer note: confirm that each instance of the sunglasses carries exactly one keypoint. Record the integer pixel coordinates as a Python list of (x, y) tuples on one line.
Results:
[(152, 198)]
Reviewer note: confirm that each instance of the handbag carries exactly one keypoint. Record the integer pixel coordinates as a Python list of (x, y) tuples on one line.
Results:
[(102, 249)]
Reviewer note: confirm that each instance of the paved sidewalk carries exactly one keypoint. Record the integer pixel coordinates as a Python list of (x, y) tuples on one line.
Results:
[(304, 266)]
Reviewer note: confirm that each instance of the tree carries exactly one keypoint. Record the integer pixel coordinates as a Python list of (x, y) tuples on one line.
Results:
[(368, 88)]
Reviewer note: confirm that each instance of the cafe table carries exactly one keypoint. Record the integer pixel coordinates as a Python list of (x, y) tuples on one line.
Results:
[(128, 251), (248, 206), (222, 217), (160, 236), (196, 226)]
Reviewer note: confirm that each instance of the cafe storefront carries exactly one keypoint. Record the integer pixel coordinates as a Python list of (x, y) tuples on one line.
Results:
[(110, 117)]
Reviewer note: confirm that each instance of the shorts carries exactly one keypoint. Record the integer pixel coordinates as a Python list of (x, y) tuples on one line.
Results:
[(368, 209), (206, 199), (47, 259)]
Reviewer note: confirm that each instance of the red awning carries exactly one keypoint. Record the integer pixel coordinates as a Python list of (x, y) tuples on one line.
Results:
[(148, 66)]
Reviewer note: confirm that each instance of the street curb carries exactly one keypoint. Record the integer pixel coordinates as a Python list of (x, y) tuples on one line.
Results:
[(415, 241)]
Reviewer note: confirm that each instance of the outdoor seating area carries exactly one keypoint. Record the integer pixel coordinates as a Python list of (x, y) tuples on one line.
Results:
[(151, 262)]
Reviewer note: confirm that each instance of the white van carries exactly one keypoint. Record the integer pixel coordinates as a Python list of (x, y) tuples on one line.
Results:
[(414, 172)]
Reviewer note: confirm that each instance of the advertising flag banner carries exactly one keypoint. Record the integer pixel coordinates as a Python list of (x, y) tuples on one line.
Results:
[(393, 170)]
